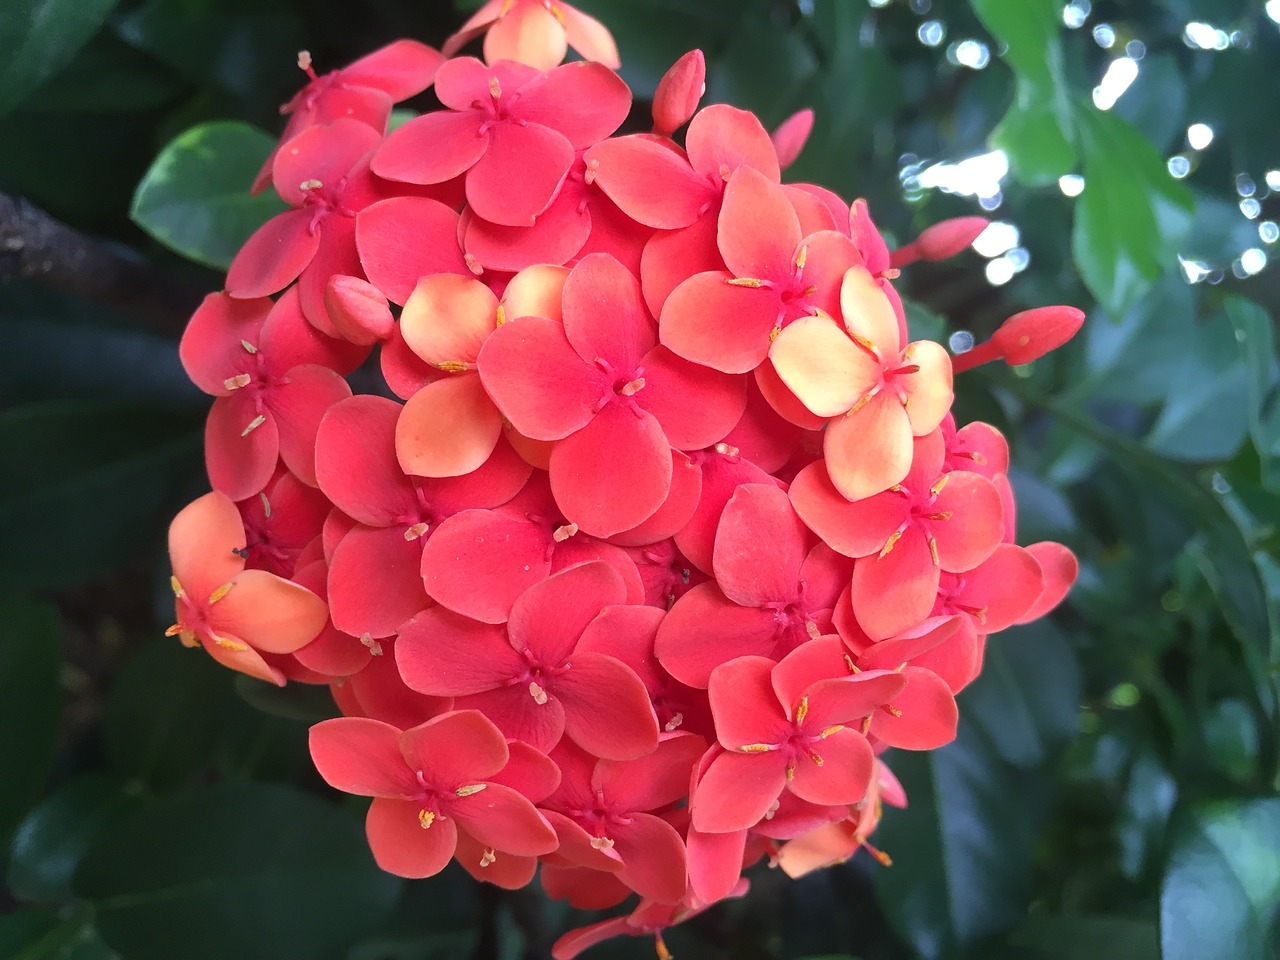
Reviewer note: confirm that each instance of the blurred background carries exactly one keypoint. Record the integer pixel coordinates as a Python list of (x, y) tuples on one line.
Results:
[(1113, 789)]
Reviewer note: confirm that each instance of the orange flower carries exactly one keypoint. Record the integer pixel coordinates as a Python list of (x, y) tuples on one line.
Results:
[(535, 32), (237, 615)]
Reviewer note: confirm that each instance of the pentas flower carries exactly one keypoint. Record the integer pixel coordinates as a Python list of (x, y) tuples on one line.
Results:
[(616, 401), (879, 392), (603, 811), (364, 90), (530, 677), (274, 377), (902, 539), (790, 725), (237, 615), (510, 129), (728, 319), (535, 32), (430, 784), (772, 592)]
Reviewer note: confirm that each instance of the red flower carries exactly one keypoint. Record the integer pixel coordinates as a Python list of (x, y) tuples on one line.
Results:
[(536, 32), (237, 615), (430, 784), (510, 129)]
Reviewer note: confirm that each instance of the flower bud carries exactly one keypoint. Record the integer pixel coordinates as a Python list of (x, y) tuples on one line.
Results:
[(1029, 335), (358, 310), (790, 137), (942, 240), (678, 93)]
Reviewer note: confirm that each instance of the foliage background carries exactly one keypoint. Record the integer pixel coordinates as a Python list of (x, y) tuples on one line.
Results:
[(1113, 790)]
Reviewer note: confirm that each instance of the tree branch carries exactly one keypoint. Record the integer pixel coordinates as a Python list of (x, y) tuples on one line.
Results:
[(36, 246)]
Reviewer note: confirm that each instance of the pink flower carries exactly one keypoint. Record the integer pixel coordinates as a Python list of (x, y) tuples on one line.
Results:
[(430, 784), (535, 32)]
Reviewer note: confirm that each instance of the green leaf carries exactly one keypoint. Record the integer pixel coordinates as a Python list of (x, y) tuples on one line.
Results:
[(244, 870), (1132, 215), (173, 714), (54, 836), (30, 705), (90, 487), (1221, 891), (1086, 937), (37, 935), (296, 701), (961, 849), (195, 198), (1036, 132), (39, 37), (1256, 342)]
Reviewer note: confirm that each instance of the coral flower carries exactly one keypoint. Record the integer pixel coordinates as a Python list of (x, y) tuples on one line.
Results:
[(429, 784), (880, 393), (786, 726), (535, 32), (237, 615)]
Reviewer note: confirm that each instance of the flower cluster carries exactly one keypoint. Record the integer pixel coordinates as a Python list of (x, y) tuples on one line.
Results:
[(660, 532)]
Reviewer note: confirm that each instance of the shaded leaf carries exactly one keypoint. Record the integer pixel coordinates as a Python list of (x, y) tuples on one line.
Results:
[(30, 704), (236, 870), (39, 37), (1221, 891), (195, 198), (54, 836)]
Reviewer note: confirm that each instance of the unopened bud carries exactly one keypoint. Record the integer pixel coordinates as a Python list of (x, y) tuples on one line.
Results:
[(791, 136), (678, 93), (940, 241), (358, 310), (1029, 335)]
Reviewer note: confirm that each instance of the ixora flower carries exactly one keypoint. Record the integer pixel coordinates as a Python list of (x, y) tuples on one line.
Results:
[(670, 533)]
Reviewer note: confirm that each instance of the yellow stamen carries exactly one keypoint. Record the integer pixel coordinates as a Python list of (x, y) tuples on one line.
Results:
[(589, 175), (221, 592), (888, 544), (452, 366), (495, 88), (756, 748), (864, 343), (602, 843), (634, 387), (883, 858), (539, 695), (933, 551), (726, 449), (940, 516), (174, 630), (415, 531), (802, 710), (470, 789), (893, 711), (234, 645), (188, 639), (939, 484), (266, 505), (236, 382), (561, 534), (500, 316), (812, 630), (375, 648), (745, 282), (254, 424), (557, 13), (426, 818), (661, 947), (848, 662), (802, 256), (774, 334), (791, 772), (176, 587), (834, 728)]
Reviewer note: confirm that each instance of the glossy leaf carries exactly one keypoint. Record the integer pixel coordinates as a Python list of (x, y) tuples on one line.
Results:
[(243, 870), (195, 198), (1221, 891), (39, 37)]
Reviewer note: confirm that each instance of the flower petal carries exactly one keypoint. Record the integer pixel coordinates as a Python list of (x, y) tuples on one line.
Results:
[(826, 370), (448, 428), (737, 791), (401, 846), (361, 756), (403, 238)]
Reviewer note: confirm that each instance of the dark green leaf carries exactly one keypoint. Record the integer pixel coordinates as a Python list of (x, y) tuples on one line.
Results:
[(195, 198), (173, 713), (32, 935), (30, 705), (108, 76), (1256, 342), (1132, 215), (962, 848), (87, 486), (244, 870), (296, 701), (39, 37), (54, 836), (1221, 890), (1087, 937)]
